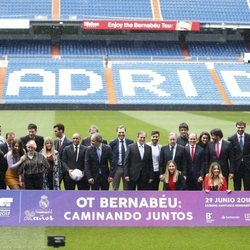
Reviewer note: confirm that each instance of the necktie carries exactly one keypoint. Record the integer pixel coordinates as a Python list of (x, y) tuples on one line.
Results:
[(122, 151), (171, 152), (192, 153), (141, 151), (241, 143), (98, 151), (76, 153), (217, 149), (59, 145)]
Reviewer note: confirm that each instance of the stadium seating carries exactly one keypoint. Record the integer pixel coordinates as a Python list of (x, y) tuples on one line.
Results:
[(223, 11), (43, 80), (59, 85), (25, 48), (109, 9), (25, 9), (217, 49)]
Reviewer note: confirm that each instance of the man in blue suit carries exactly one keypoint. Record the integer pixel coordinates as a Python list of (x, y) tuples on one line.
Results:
[(119, 147)]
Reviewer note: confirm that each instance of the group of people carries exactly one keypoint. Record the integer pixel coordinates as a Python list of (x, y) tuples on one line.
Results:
[(187, 162)]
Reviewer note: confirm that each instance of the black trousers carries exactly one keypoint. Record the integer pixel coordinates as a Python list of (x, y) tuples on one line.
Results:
[(154, 185), (101, 183), (70, 184), (2, 181), (242, 176), (33, 181)]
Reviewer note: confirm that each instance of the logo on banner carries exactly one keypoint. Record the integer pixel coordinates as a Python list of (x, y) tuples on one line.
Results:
[(209, 217), (43, 213), (5, 206), (247, 217)]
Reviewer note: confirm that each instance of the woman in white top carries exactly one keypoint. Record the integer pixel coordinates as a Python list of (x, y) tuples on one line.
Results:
[(15, 157)]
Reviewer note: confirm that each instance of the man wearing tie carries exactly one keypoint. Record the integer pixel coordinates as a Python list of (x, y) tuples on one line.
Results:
[(4, 148), (220, 151), (73, 157), (138, 164), (119, 148), (99, 165), (175, 152), (60, 143), (195, 163), (241, 146)]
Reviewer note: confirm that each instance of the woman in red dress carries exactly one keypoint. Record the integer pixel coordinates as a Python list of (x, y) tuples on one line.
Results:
[(214, 180)]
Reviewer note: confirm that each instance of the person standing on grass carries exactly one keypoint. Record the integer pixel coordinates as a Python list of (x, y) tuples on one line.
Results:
[(15, 157), (182, 139), (241, 146), (156, 149), (60, 143), (119, 147), (99, 166), (73, 157), (5, 148), (33, 168), (221, 151), (87, 140), (195, 163), (138, 164), (175, 152), (32, 135)]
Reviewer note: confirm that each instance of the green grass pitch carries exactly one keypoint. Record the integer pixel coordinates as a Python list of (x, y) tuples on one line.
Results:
[(124, 237)]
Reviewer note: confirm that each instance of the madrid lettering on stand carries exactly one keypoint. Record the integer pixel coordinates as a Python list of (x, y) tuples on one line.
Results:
[(163, 85)]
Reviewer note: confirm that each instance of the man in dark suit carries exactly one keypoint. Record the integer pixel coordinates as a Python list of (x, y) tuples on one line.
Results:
[(195, 163), (119, 147), (73, 157), (99, 165), (87, 140), (175, 152), (32, 135), (182, 139), (220, 151), (241, 145), (138, 164), (60, 143), (4, 148)]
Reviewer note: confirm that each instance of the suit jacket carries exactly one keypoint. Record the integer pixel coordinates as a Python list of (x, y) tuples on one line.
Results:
[(180, 159), (69, 157), (239, 156), (65, 143), (93, 166), (38, 139), (114, 144), (225, 159), (4, 164), (87, 141), (195, 167), (135, 167)]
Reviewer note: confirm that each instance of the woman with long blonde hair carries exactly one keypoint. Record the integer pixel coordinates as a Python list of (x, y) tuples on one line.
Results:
[(52, 177), (214, 180), (173, 179)]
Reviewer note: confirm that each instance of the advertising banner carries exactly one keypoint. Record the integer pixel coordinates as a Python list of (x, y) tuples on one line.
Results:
[(140, 25), (127, 208)]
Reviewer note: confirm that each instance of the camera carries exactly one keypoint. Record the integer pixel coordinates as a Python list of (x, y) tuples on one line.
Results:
[(56, 241)]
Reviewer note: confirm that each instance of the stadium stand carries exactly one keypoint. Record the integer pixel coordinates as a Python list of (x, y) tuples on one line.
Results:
[(51, 59), (110, 9), (25, 9), (223, 11)]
